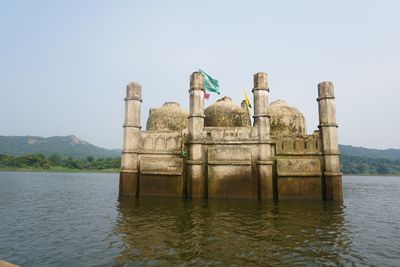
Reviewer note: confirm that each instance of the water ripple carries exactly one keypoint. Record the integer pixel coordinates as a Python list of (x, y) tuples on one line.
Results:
[(77, 219)]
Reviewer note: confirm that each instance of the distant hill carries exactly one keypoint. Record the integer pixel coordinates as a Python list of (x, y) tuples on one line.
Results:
[(65, 146), (353, 159), (393, 154), (361, 160)]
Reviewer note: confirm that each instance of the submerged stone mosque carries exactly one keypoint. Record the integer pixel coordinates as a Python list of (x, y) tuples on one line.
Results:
[(217, 153)]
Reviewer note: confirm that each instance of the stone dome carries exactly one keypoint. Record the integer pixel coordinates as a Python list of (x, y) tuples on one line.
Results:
[(286, 120), (169, 117), (224, 113)]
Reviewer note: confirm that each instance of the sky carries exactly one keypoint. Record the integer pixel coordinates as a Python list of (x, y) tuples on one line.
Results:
[(64, 65)]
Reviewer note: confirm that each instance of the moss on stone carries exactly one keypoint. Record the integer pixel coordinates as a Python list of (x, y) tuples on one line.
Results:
[(286, 120), (224, 113), (169, 117)]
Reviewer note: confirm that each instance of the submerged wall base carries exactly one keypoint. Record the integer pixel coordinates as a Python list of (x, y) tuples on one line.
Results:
[(128, 184), (241, 184)]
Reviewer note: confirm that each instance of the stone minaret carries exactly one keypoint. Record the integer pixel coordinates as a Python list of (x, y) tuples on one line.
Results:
[(128, 184), (196, 177), (332, 178), (261, 121)]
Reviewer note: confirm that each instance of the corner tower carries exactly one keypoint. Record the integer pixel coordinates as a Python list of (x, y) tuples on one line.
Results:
[(331, 177), (196, 184), (261, 122), (128, 184)]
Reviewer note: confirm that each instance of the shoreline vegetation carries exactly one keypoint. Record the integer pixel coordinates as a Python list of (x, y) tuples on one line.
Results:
[(56, 163), (56, 169), (350, 165)]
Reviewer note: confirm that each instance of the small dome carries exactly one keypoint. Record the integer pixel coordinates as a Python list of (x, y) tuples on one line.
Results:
[(169, 117), (286, 120), (224, 113)]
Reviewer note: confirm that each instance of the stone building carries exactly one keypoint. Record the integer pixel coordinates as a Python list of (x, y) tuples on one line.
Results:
[(217, 153)]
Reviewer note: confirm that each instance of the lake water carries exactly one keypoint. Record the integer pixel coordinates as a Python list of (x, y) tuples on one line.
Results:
[(59, 219)]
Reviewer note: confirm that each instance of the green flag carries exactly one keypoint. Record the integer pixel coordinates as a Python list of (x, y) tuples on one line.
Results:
[(210, 84)]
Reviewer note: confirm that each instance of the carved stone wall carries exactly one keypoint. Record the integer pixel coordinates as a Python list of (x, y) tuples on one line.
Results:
[(230, 172), (162, 142)]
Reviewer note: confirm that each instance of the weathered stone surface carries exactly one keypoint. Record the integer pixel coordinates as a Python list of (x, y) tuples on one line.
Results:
[(131, 127), (128, 184), (330, 148), (169, 117), (286, 120), (161, 185), (300, 145), (171, 141), (229, 155), (224, 113), (161, 166), (333, 187), (230, 173), (299, 188), (266, 179), (299, 167), (231, 181)]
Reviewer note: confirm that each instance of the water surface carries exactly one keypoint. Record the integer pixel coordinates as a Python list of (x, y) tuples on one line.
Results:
[(59, 219)]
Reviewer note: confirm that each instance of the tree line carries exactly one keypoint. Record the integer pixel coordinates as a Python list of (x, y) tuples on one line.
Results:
[(39, 161), (366, 165), (349, 164)]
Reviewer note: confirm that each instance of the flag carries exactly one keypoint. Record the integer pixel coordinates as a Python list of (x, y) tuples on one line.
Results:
[(206, 95), (246, 97), (210, 84)]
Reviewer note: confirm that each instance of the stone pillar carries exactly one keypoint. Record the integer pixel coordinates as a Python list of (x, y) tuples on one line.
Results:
[(332, 178), (261, 121), (197, 184), (128, 183), (260, 93)]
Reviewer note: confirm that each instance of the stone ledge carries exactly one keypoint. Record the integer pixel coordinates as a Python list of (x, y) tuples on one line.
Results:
[(196, 88), (264, 162), (160, 173), (299, 174), (288, 153), (325, 97), (328, 125), (160, 152), (196, 116), (234, 142), (231, 162), (133, 151), (331, 153), (131, 126), (129, 171), (261, 115), (195, 162), (260, 89), (133, 98), (332, 173)]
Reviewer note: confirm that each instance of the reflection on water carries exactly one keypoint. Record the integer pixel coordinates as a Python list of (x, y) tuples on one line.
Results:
[(61, 219), (171, 231)]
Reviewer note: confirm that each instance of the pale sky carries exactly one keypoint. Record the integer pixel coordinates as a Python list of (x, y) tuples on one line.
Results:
[(64, 65)]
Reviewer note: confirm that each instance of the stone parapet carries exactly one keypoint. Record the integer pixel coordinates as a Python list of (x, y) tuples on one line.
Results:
[(309, 144)]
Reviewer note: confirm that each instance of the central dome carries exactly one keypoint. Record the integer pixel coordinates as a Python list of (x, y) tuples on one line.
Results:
[(224, 113), (169, 117), (286, 120)]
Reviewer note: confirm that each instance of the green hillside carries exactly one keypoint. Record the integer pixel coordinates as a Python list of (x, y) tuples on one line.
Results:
[(64, 146), (393, 154), (28, 150), (361, 160), (368, 165)]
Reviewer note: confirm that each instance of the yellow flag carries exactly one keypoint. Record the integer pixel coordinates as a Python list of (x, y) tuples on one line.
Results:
[(246, 97)]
